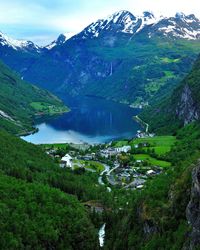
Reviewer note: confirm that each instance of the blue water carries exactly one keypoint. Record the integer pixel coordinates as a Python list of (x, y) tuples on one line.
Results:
[(91, 120)]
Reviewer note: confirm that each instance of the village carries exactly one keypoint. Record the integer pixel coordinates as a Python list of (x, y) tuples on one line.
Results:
[(121, 164)]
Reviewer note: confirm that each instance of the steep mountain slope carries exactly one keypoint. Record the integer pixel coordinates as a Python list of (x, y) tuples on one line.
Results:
[(180, 109), (34, 214), (126, 23), (18, 54), (123, 57), (21, 101), (166, 214)]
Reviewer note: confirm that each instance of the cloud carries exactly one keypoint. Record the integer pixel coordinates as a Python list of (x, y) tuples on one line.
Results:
[(52, 17)]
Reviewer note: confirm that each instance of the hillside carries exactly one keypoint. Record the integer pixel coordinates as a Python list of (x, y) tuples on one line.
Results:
[(35, 215), (179, 109), (21, 102), (165, 215), (123, 57)]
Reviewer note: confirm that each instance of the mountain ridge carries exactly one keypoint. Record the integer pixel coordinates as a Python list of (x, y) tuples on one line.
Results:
[(122, 17), (113, 57), (133, 24)]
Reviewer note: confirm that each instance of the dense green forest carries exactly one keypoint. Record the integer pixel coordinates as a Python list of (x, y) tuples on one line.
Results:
[(156, 217), (35, 213), (32, 186), (21, 102)]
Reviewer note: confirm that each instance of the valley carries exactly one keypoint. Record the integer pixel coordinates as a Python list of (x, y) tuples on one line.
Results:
[(126, 58), (100, 135), (122, 164)]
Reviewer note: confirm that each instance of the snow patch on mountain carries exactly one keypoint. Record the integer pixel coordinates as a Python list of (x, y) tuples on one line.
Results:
[(60, 40), (147, 19), (181, 25), (16, 44)]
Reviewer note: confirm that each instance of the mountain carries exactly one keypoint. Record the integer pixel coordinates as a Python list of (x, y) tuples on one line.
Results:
[(124, 57), (21, 102), (18, 54), (166, 214), (8, 42), (179, 109), (124, 22), (59, 41)]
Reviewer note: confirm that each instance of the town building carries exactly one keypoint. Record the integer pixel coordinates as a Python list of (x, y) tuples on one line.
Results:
[(66, 161)]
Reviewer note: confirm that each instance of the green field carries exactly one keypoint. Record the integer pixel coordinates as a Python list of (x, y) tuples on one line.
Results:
[(155, 84), (121, 143), (98, 167), (161, 144), (94, 165), (170, 60), (46, 108), (151, 160)]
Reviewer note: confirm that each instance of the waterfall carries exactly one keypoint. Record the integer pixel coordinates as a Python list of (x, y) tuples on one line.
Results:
[(111, 69), (102, 235)]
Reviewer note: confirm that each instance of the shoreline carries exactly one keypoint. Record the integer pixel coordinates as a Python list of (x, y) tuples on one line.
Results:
[(45, 117), (144, 124), (48, 116)]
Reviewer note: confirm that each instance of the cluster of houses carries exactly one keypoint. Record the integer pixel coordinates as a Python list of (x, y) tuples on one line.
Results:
[(108, 152), (142, 134), (128, 177), (67, 160), (131, 178)]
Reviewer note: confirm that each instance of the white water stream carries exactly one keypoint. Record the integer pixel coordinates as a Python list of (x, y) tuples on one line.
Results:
[(102, 235)]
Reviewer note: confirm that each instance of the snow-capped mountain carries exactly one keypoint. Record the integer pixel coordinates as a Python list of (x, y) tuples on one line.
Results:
[(120, 22), (123, 57), (129, 25), (8, 42), (180, 26), (59, 41)]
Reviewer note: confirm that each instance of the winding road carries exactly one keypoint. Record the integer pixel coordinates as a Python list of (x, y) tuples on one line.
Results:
[(106, 170), (142, 122), (110, 177)]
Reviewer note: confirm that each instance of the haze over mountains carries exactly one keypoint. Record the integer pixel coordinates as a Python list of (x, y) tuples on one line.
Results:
[(123, 57)]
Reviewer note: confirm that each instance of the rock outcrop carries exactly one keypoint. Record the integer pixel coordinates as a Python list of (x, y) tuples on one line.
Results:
[(187, 109), (193, 211)]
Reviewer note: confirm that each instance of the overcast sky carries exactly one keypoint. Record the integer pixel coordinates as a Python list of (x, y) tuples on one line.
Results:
[(43, 20)]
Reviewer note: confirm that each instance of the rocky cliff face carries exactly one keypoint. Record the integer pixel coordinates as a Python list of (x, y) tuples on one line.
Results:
[(187, 110), (193, 210)]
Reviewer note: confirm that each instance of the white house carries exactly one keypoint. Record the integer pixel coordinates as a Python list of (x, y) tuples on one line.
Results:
[(151, 172), (66, 161), (124, 149)]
